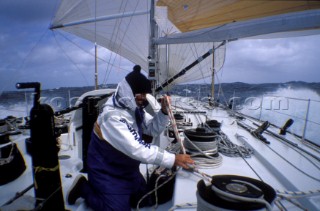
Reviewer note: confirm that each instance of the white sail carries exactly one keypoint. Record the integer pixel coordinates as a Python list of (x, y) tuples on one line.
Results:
[(123, 27)]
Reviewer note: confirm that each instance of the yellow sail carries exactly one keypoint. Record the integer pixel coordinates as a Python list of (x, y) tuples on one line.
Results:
[(189, 15)]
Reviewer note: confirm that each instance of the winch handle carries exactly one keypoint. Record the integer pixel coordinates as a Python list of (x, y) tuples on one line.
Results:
[(30, 85)]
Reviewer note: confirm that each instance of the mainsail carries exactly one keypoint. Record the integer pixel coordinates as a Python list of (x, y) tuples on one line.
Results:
[(186, 29)]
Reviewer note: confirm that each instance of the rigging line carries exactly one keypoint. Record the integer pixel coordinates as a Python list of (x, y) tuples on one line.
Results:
[(182, 206), (291, 144), (292, 98), (280, 205), (292, 202), (156, 192), (296, 117), (125, 32), (254, 171), (207, 162), (173, 122), (156, 188), (84, 50), (194, 55), (114, 36), (40, 205), (124, 35), (197, 116), (292, 133), (195, 52), (283, 158), (299, 152), (68, 57), (209, 59), (221, 90), (15, 70), (56, 7), (182, 72), (298, 194), (18, 195)]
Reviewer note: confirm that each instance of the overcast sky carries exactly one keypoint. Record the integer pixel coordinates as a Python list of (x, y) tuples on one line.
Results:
[(29, 51)]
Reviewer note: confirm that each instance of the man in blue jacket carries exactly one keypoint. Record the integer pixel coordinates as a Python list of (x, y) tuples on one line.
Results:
[(117, 148)]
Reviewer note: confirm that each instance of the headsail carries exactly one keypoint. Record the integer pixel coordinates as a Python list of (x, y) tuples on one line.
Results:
[(123, 28), (120, 26)]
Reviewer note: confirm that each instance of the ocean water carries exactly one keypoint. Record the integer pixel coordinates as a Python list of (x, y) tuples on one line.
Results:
[(293, 100), (287, 103)]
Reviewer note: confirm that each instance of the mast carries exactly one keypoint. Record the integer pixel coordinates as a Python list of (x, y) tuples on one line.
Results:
[(95, 66), (95, 48), (152, 48), (212, 77)]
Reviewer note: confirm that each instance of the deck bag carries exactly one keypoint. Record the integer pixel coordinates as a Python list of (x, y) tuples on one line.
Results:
[(164, 180), (12, 164)]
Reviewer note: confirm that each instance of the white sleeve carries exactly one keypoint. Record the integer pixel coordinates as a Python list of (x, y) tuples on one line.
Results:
[(155, 125), (118, 131)]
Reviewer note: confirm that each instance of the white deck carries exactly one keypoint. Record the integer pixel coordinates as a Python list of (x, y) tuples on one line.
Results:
[(268, 161)]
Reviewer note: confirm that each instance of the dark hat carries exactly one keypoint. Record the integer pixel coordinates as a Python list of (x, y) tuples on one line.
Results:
[(138, 82)]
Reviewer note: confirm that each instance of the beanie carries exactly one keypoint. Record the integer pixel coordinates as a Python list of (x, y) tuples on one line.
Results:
[(138, 82)]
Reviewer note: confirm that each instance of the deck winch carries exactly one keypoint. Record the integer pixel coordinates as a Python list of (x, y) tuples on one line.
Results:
[(233, 192), (201, 138)]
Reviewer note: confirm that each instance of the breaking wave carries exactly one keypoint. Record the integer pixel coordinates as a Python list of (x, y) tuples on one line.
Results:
[(287, 103)]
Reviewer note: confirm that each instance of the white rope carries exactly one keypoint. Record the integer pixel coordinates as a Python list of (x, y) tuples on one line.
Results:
[(183, 206), (297, 194), (156, 188), (173, 123), (206, 162)]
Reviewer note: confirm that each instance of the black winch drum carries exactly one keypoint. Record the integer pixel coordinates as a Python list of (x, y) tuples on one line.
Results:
[(202, 138), (214, 125), (200, 135), (210, 200), (178, 117)]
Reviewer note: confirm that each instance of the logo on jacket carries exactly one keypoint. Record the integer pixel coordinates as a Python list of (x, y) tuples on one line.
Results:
[(135, 134)]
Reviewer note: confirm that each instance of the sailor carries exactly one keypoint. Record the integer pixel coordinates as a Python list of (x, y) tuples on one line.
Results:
[(117, 148)]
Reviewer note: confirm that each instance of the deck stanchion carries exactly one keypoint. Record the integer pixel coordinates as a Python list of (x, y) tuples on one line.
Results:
[(306, 121)]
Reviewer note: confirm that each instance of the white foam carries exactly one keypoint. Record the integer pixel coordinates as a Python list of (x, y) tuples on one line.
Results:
[(285, 103), (16, 110)]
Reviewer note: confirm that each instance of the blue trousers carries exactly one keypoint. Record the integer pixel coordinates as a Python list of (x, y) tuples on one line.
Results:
[(114, 179), (107, 202)]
